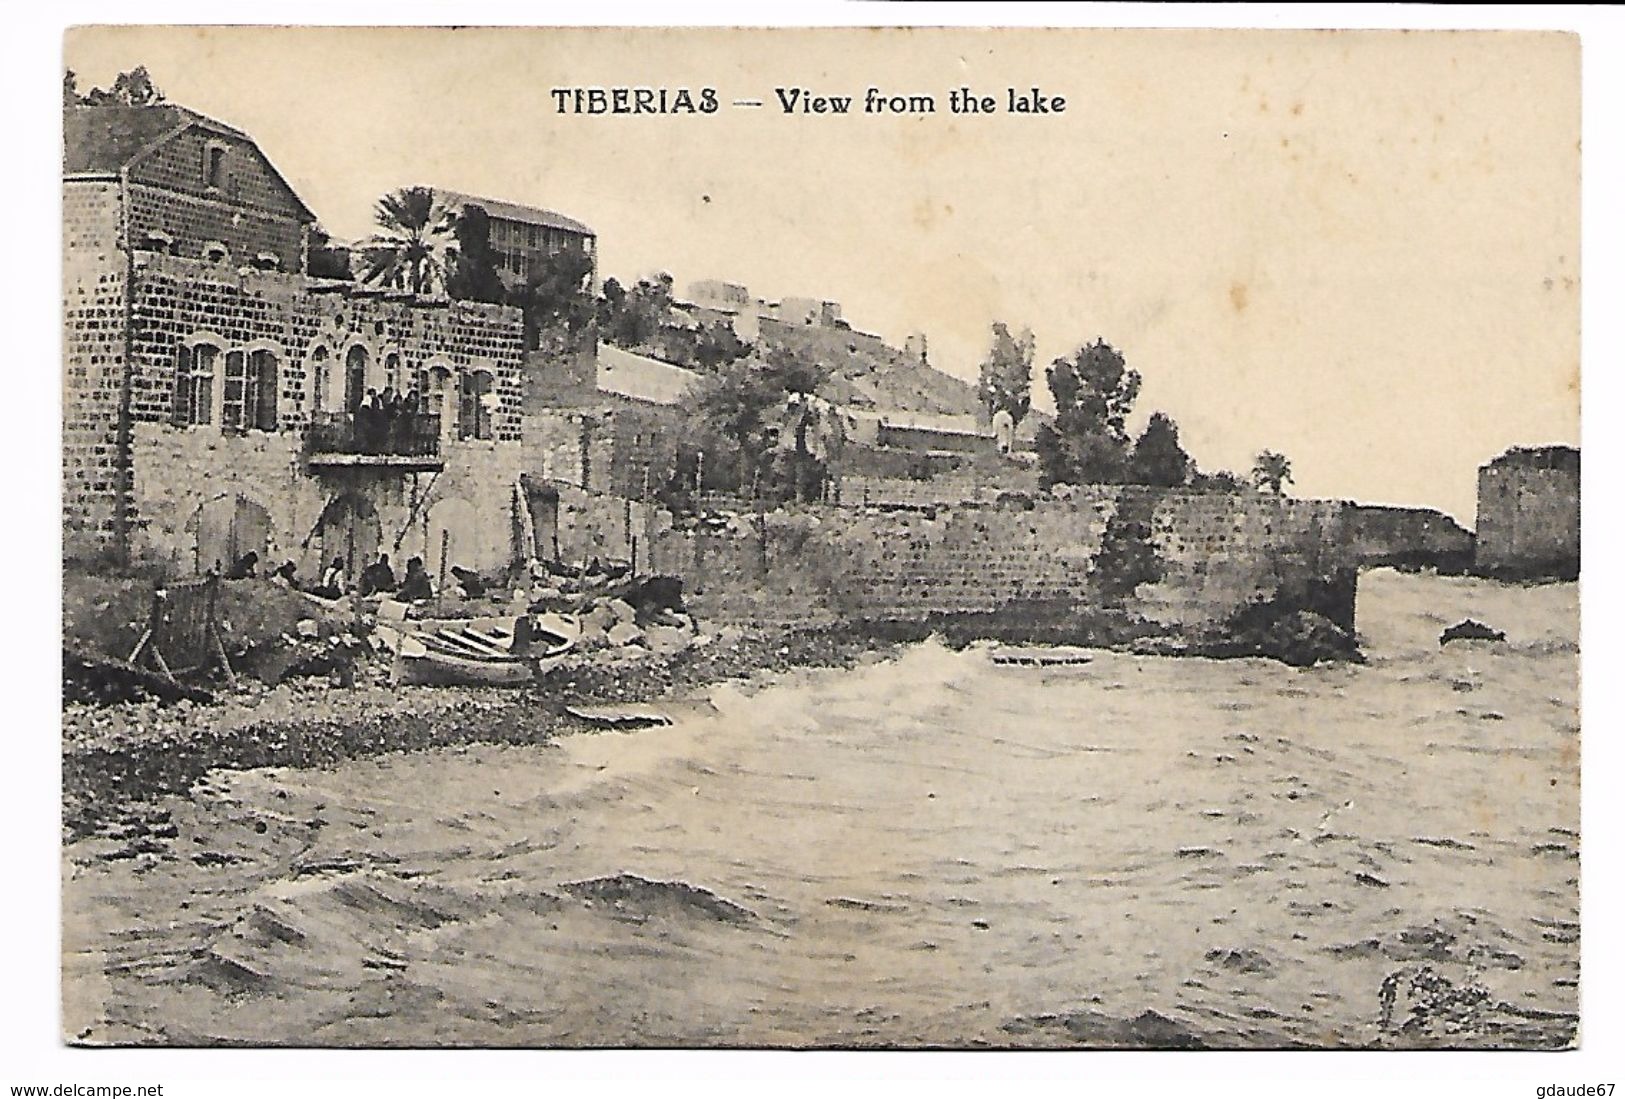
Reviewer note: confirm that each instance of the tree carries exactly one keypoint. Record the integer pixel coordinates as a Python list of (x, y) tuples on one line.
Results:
[(131, 89), (472, 273), (557, 298), (715, 345), (1218, 481), (1094, 392), (737, 416), (1007, 373), (633, 318), (1271, 472), (1158, 457), (325, 259), (416, 244)]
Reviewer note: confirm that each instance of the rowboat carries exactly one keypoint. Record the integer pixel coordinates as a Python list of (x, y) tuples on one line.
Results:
[(485, 655), (1040, 656)]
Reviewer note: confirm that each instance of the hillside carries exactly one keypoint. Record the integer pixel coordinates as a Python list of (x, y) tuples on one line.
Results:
[(870, 374)]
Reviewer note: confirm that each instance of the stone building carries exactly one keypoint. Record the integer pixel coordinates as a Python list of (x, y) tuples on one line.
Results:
[(1529, 514), (213, 393), (523, 237)]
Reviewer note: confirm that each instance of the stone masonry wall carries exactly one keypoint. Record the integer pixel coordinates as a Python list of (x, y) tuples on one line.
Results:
[(576, 526), (193, 221), (1218, 552), (93, 305), (183, 473), (1528, 519), (177, 299), (1409, 537), (252, 211), (172, 471)]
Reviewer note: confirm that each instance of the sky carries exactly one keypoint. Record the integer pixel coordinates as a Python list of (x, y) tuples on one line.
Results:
[(1358, 249)]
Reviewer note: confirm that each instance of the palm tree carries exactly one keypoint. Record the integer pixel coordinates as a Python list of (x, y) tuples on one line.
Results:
[(416, 245), (1271, 472)]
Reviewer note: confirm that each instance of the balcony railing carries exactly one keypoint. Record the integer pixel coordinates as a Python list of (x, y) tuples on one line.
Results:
[(366, 437)]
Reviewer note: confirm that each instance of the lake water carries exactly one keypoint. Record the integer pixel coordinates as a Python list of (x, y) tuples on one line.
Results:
[(930, 850)]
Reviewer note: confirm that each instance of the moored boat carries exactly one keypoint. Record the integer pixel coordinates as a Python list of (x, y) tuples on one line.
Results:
[(495, 655)]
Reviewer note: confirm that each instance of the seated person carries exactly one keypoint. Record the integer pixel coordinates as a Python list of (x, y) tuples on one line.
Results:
[(334, 581), (416, 584), (245, 567), (377, 577), (473, 587)]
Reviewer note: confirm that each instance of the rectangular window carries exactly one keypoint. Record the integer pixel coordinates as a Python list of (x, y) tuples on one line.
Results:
[(262, 383), (181, 413), (199, 397), (214, 167), (234, 393), (474, 407)]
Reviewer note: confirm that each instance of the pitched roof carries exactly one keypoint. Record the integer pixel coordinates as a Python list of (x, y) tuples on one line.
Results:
[(106, 140), (513, 211)]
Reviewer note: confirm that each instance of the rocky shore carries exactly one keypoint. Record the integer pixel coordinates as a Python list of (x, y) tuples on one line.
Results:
[(116, 757)]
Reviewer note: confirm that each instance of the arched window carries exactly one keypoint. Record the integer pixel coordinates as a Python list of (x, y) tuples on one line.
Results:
[(392, 372), (475, 406), (355, 378), (195, 366)]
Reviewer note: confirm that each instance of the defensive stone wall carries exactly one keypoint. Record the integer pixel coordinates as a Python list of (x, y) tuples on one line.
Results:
[(1409, 538), (1529, 514), (1182, 562)]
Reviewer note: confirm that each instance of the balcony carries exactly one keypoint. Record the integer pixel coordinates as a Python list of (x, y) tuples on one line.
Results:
[(409, 442)]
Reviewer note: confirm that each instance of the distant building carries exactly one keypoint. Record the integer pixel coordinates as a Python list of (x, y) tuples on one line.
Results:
[(523, 237), (922, 433), (809, 311), (1529, 514)]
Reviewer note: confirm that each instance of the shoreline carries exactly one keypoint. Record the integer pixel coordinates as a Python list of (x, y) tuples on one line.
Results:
[(115, 758)]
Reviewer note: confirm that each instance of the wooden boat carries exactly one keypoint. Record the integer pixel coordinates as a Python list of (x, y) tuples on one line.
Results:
[(1040, 656), (472, 655)]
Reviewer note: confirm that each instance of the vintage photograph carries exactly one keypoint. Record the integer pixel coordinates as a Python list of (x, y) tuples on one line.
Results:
[(848, 538)]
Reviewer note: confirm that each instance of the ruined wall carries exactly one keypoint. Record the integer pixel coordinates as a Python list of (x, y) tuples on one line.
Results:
[(1214, 553), (618, 447), (576, 526), (966, 485), (1529, 514), (93, 306), (1409, 538)]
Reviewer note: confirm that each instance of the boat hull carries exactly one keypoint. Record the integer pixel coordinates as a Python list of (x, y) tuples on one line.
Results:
[(462, 657), (442, 670)]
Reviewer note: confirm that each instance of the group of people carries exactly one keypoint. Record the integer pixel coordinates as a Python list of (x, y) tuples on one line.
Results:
[(377, 578), (382, 419)]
